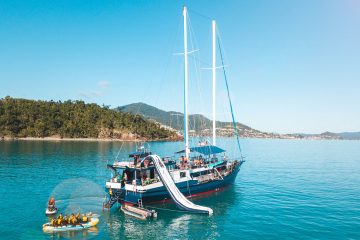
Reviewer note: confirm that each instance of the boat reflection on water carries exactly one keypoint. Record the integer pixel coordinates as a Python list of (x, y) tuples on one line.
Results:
[(93, 230), (86, 233), (174, 223)]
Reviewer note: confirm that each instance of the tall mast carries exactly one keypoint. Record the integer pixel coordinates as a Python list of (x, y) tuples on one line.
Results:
[(214, 79), (186, 130)]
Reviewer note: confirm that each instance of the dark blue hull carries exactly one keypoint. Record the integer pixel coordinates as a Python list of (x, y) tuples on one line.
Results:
[(189, 188)]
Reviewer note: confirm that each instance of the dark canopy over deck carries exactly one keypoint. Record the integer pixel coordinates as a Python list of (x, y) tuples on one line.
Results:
[(206, 150), (140, 154)]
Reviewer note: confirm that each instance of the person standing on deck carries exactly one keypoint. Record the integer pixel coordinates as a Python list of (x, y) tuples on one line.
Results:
[(135, 160), (182, 162)]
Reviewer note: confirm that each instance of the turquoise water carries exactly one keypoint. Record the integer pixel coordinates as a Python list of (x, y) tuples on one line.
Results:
[(286, 189)]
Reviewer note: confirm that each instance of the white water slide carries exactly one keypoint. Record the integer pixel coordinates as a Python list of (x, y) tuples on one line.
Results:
[(181, 201)]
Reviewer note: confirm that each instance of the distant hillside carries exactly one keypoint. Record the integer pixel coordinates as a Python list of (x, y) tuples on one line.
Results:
[(73, 119), (350, 135), (175, 120), (203, 125), (331, 135)]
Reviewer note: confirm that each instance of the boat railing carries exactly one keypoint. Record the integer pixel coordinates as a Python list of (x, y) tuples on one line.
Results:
[(206, 178), (149, 181), (218, 173)]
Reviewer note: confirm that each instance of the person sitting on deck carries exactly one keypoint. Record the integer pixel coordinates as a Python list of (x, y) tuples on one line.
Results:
[(53, 222), (146, 163), (201, 160), (185, 163), (197, 163), (127, 176), (144, 179), (182, 162)]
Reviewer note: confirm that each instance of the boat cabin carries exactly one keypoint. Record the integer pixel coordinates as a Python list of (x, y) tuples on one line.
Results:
[(139, 170)]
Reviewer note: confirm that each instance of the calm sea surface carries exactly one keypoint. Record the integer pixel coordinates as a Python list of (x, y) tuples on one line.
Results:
[(293, 189)]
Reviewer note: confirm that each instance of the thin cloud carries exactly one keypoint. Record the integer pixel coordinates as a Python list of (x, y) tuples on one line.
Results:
[(91, 94), (102, 85)]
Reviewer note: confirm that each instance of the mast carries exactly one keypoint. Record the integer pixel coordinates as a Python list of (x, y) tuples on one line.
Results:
[(214, 80), (186, 130)]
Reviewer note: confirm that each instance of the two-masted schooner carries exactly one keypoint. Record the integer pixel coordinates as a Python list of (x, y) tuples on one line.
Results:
[(147, 178)]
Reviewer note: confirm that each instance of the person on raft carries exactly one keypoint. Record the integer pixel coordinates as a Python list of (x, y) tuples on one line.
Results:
[(58, 221), (53, 222), (65, 220), (51, 204), (73, 220), (84, 218)]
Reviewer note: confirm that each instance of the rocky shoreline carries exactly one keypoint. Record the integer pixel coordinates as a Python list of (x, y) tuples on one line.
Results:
[(57, 139)]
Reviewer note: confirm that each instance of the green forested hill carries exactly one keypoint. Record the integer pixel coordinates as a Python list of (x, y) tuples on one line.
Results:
[(175, 120), (199, 123), (72, 119)]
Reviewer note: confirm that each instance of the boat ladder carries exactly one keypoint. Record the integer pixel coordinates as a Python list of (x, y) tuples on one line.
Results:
[(140, 203), (112, 200)]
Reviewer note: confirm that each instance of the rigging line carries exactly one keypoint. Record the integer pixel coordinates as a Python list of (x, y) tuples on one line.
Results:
[(209, 35), (193, 40), (224, 53), (121, 146), (167, 64), (199, 60), (199, 14), (228, 94), (171, 63)]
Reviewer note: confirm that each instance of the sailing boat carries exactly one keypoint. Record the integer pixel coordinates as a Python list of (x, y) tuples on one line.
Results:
[(146, 178)]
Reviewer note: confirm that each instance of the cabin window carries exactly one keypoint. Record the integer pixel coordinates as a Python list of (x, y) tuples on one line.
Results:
[(182, 174), (197, 174)]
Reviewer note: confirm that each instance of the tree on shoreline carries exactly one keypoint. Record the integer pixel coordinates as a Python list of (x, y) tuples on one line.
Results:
[(73, 119)]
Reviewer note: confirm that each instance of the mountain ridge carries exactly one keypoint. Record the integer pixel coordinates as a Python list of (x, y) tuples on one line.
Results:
[(174, 119), (199, 124)]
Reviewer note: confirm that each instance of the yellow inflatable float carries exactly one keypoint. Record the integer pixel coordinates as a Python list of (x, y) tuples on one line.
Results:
[(49, 228)]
